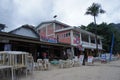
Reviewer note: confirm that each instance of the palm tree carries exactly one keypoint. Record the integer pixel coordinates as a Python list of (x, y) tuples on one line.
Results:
[(2, 27), (94, 10)]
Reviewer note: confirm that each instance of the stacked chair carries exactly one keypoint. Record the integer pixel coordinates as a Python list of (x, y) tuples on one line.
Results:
[(42, 64)]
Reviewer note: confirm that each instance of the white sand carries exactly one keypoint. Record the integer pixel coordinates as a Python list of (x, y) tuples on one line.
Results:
[(109, 71)]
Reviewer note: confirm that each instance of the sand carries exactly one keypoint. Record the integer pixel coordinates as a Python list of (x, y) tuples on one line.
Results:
[(98, 71)]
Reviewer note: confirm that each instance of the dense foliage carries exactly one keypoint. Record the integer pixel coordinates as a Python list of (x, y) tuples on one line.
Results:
[(106, 30)]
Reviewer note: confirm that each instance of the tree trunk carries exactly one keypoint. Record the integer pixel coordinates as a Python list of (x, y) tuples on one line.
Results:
[(96, 35)]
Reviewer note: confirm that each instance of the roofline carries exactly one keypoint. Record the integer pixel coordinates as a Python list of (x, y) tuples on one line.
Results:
[(64, 29), (15, 37), (53, 21), (24, 26)]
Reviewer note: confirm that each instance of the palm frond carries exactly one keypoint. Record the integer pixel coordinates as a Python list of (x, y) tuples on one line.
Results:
[(102, 11), (94, 9)]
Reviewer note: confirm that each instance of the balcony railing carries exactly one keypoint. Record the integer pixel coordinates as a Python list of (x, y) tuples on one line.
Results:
[(85, 43), (91, 45)]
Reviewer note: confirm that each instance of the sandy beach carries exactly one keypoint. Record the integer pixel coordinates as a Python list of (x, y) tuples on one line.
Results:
[(109, 71)]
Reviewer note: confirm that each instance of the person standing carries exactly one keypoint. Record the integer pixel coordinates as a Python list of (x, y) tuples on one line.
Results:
[(85, 57)]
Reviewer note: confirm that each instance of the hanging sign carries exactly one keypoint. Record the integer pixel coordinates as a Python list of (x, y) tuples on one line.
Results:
[(103, 57), (47, 39)]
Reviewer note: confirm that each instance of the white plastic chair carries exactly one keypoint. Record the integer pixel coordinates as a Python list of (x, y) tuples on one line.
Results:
[(76, 62), (46, 64), (40, 64), (61, 63)]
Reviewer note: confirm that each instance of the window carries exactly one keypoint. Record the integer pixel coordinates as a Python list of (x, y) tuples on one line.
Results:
[(68, 34), (84, 37), (92, 39), (64, 35), (98, 40)]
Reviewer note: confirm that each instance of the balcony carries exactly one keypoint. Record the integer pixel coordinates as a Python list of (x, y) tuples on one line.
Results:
[(90, 45)]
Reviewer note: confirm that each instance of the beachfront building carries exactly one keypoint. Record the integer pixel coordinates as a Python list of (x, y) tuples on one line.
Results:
[(81, 40), (51, 39), (46, 31), (25, 38)]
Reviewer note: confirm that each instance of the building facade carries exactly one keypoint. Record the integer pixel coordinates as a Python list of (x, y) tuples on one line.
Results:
[(35, 47), (55, 38), (80, 40)]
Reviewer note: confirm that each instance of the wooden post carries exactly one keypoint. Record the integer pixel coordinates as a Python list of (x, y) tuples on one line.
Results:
[(12, 73), (23, 59), (3, 58), (10, 59)]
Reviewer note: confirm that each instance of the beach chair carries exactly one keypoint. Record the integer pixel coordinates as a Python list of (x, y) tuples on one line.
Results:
[(69, 63), (60, 63), (35, 66), (46, 64), (76, 62), (40, 64), (30, 64)]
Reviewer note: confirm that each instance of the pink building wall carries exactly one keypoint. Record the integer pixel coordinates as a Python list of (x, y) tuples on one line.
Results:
[(63, 37), (42, 31), (50, 29)]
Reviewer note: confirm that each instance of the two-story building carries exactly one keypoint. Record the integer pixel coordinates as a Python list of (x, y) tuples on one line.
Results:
[(55, 38), (58, 32)]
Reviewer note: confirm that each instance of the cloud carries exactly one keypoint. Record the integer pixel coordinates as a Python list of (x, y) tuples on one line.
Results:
[(6, 10), (25, 12), (15, 13), (73, 11)]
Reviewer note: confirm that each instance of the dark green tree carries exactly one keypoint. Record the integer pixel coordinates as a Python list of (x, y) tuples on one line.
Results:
[(94, 10), (2, 26), (83, 27), (106, 30)]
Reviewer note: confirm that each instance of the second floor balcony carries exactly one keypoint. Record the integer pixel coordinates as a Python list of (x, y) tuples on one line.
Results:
[(90, 45)]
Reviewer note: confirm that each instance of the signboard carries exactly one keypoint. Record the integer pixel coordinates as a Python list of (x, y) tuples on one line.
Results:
[(103, 57), (76, 38), (47, 39), (90, 59), (81, 57), (76, 58)]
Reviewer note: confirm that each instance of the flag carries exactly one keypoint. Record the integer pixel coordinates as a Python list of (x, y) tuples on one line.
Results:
[(112, 44)]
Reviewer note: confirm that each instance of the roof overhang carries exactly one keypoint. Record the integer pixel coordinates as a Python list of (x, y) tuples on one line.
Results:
[(14, 37)]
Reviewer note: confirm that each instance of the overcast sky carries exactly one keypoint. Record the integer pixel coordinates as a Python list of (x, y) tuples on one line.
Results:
[(15, 13)]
